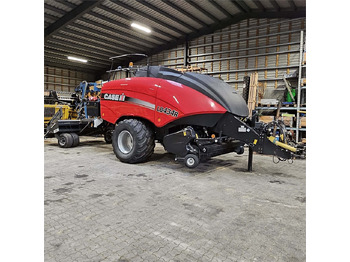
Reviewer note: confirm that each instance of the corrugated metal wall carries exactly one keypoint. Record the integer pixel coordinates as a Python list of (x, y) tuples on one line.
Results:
[(64, 79), (268, 46)]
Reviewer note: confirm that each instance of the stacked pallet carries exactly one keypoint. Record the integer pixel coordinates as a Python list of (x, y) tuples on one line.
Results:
[(191, 69)]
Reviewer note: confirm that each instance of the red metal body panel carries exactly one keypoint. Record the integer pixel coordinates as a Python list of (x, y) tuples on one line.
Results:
[(157, 100), (183, 99), (139, 88)]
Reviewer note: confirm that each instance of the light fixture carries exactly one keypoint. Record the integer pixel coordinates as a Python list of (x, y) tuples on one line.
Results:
[(141, 27), (77, 59)]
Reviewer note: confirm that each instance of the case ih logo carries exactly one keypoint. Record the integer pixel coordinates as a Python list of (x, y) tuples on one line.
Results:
[(114, 97)]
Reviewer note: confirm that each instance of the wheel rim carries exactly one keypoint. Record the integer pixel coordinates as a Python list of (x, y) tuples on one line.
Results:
[(190, 161), (125, 142)]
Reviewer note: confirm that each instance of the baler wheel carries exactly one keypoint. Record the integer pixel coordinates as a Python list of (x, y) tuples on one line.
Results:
[(191, 160), (133, 141), (65, 140), (76, 139)]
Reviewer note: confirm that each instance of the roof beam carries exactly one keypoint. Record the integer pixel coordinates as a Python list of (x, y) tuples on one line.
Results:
[(63, 59), (158, 10), (59, 54), (203, 11), (95, 40), (156, 20), (220, 8), (52, 17), (77, 12), (260, 6), (75, 45), (85, 40), (78, 52), (117, 41), (275, 5), (66, 3), (241, 6), (292, 4), (151, 40), (53, 63), (54, 9), (112, 32), (183, 11)]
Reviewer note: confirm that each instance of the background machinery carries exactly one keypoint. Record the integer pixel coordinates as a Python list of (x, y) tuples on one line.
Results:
[(87, 122)]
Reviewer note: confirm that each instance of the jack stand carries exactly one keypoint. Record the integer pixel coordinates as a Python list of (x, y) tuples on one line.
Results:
[(250, 159)]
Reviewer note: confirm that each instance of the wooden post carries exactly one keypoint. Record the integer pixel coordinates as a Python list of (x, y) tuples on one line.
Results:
[(252, 92)]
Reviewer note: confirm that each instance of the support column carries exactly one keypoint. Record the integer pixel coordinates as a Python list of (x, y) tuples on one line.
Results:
[(250, 160)]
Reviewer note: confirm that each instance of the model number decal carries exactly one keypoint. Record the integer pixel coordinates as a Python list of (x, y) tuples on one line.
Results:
[(243, 129), (114, 97), (167, 111)]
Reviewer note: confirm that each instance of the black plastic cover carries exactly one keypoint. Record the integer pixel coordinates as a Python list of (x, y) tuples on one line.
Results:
[(216, 89)]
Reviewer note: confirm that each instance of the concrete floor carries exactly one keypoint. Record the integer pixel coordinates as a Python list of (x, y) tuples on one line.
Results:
[(99, 209)]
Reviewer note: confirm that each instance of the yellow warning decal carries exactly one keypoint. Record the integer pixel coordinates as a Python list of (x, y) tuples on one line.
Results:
[(184, 133), (255, 141)]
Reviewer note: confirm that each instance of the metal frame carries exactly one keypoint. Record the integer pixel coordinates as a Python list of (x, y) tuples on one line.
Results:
[(77, 12), (299, 84)]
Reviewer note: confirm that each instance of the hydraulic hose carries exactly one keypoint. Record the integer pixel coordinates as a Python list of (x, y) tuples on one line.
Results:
[(283, 145)]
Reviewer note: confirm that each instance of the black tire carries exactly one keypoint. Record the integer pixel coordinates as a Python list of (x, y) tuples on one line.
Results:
[(108, 135), (65, 140), (133, 141), (239, 150), (76, 139), (191, 160)]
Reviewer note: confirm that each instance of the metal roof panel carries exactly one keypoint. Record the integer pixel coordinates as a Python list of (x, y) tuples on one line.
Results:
[(176, 13), (140, 18), (194, 11), (210, 8), (231, 8)]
